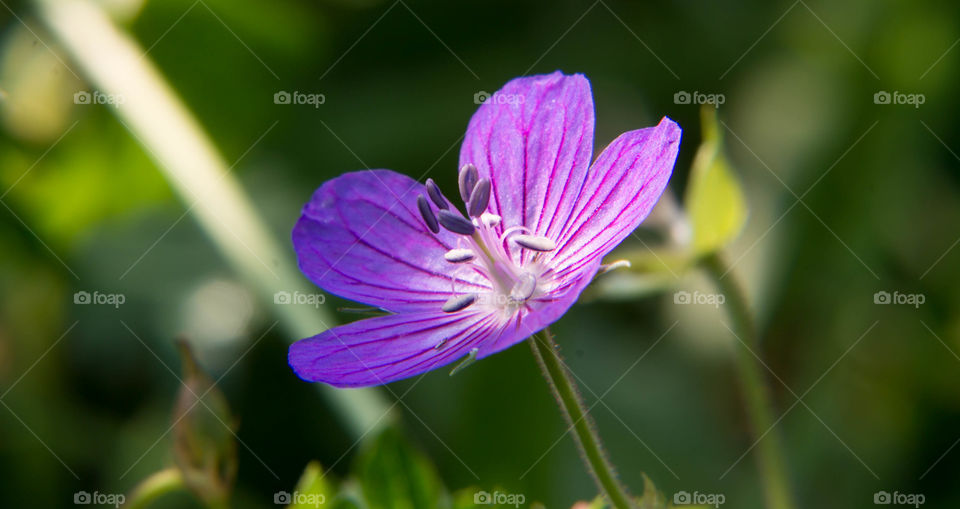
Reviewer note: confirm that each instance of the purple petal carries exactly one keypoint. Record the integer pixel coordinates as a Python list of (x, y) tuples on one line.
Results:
[(362, 237), (387, 348), (380, 350), (621, 188), (533, 139)]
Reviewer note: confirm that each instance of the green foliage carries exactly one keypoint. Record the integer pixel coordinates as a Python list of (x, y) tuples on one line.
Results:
[(387, 474), (714, 200), (398, 98), (314, 485), (97, 174), (393, 475)]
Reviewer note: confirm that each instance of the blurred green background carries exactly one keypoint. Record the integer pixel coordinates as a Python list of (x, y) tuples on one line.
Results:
[(87, 403)]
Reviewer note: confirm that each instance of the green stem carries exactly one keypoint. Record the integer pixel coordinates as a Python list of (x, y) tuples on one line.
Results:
[(757, 394), (153, 487), (574, 410)]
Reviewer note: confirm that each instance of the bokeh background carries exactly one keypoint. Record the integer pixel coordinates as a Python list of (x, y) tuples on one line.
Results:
[(846, 198)]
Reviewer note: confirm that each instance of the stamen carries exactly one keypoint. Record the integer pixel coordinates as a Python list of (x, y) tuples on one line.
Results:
[(512, 229), (468, 179), (490, 220), (619, 264), (428, 216), (434, 193), (486, 251), (455, 222), (459, 255), (479, 198), (524, 288), (458, 302), (468, 360), (535, 242)]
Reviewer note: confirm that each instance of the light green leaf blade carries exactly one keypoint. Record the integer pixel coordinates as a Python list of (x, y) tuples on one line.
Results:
[(714, 200), (314, 488)]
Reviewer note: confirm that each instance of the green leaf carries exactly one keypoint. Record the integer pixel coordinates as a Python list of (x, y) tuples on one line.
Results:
[(714, 200), (393, 475), (314, 488), (651, 499)]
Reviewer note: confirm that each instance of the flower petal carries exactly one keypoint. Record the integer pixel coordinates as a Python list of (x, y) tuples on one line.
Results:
[(621, 188), (534, 140), (362, 237), (380, 350)]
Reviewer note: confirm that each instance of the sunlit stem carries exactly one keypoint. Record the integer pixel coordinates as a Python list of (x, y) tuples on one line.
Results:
[(756, 393), (151, 488), (575, 411), (163, 125)]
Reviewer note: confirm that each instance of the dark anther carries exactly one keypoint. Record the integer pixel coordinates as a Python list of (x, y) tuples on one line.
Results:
[(456, 223), (468, 179), (479, 198), (434, 193), (427, 214)]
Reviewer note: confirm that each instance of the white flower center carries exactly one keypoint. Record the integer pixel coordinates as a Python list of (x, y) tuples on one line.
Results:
[(514, 278)]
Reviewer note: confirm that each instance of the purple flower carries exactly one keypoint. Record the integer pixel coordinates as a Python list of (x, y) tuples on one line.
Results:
[(539, 218)]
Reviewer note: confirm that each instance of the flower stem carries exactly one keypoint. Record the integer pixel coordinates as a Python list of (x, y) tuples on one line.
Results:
[(574, 410), (759, 407), (153, 487)]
